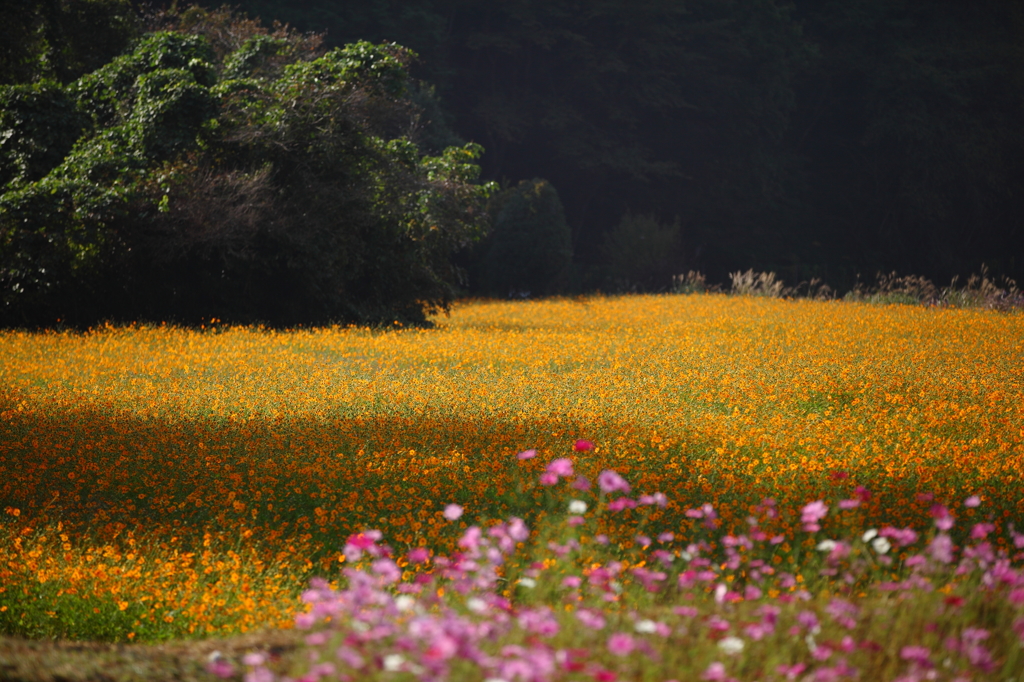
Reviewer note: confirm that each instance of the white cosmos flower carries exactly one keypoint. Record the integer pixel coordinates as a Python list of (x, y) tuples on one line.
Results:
[(826, 545), (528, 582), (577, 507), (645, 626), (869, 535), (731, 645), (476, 605), (404, 602), (881, 545), (393, 662)]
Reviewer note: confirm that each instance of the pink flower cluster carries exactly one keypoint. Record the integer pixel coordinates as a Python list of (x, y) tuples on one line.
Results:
[(459, 609)]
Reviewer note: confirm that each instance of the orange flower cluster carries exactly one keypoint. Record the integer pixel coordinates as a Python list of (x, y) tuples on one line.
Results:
[(282, 443)]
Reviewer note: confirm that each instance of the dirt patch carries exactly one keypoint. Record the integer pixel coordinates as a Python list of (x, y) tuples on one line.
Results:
[(23, 660)]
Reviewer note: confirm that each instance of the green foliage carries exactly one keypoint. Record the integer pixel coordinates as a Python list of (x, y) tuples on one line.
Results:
[(38, 125), (530, 248), (253, 56), (109, 93), (253, 182), (61, 39), (641, 253), (55, 614)]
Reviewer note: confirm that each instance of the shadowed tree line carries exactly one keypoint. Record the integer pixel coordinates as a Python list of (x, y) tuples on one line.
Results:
[(812, 138)]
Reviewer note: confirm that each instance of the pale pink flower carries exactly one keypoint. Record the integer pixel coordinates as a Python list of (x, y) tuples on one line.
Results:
[(388, 570), (581, 483), (811, 513), (715, 673), (560, 467), (527, 454), (571, 581), (254, 658), (452, 512), (972, 501), (591, 618)]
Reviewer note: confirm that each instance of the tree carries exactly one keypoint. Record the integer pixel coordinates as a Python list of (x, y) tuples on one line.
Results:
[(530, 249), (61, 39), (249, 177)]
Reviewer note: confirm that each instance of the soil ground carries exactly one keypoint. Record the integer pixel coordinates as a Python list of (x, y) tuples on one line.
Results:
[(23, 660)]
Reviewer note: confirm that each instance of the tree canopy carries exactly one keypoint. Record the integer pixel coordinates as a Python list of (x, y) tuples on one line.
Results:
[(218, 169)]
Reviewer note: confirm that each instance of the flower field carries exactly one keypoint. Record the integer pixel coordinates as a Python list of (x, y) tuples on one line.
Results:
[(162, 483)]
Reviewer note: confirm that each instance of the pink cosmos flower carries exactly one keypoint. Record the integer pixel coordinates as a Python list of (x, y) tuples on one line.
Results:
[(715, 673), (221, 668), (943, 519), (901, 536), (591, 618), (916, 654), (609, 481), (548, 478), (811, 514), (560, 467), (254, 658), (981, 530), (418, 555), (581, 483), (583, 445), (972, 501), (791, 671), (527, 454), (452, 512), (941, 548), (621, 503), (388, 570), (657, 499), (621, 644)]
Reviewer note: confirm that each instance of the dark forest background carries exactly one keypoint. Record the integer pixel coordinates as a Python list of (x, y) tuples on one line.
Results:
[(824, 139), (816, 138)]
